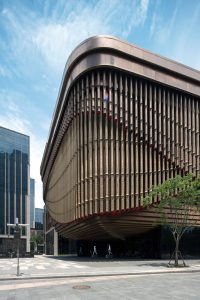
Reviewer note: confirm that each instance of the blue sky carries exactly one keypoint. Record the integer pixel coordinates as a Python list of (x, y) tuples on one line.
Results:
[(37, 36)]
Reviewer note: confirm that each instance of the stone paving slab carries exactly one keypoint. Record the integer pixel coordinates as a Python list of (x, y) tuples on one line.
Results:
[(41, 267)]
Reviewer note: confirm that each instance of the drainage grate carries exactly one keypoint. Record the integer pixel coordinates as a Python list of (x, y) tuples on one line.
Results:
[(81, 287)]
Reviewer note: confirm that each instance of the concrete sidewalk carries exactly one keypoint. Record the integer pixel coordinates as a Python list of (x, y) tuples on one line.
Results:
[(42, 267)]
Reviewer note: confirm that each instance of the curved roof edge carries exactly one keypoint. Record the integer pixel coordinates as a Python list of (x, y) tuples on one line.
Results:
[(116, 48), (108, 41)]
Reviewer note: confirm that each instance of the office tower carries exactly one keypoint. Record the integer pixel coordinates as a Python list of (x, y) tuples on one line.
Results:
[(32, 203), (14, 187), (39, 216)]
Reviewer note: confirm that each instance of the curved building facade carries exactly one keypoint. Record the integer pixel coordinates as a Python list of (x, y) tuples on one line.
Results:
[(125, 119)]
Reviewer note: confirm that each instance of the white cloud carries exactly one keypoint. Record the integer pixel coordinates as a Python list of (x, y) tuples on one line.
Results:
[(56, 40), (184, 50), (138, 15), (47, 41), (11, 120), (174, 31), (161, 29), (11, 105), (4, 72), (52, 40), (156, 20)]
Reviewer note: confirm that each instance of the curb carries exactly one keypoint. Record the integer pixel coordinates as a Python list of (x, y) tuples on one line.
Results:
[(97, 275)]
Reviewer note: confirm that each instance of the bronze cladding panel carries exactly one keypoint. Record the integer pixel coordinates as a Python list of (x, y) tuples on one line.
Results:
[(123, 122)]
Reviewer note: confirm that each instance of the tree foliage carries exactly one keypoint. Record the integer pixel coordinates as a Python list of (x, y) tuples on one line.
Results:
[(178, 202), (36, 239)]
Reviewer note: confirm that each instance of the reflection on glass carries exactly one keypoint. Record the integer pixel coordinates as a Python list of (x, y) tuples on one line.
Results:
[(14, 176)]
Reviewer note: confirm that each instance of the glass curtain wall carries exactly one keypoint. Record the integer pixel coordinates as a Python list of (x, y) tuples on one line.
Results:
[(14, 177)]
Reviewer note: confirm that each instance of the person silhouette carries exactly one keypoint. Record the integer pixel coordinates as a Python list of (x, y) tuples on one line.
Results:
[(94, 251), (80, 251), (109, 253), (109, 250)]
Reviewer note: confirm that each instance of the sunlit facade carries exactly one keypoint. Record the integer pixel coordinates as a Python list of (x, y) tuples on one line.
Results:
[(125, 119)]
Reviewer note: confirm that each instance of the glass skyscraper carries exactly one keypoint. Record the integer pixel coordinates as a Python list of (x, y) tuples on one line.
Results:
[(39, 218), (14, 184), (32, 203)]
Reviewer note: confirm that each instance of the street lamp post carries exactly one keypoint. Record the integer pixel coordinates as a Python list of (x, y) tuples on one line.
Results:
[(17, 236)]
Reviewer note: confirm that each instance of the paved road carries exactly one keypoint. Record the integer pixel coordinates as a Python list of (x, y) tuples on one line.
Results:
[(52, 267), (135, 287)]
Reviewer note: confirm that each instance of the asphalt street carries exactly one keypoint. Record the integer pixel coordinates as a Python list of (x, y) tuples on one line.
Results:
[(154, 286)]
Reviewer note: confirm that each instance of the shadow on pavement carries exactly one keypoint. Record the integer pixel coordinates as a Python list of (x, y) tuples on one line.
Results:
[(144, 262)]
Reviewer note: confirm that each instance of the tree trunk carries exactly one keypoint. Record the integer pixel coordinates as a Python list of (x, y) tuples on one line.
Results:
[(35, 247), (176, 251)]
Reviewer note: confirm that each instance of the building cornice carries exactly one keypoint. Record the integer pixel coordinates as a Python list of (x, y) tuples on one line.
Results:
[(107, 51)]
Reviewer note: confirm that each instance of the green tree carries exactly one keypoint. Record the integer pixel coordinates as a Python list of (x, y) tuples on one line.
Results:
[(36, 239), (177, 201)]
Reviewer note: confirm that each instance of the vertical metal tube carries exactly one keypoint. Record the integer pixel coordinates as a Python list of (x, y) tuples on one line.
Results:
[(18, 268)]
